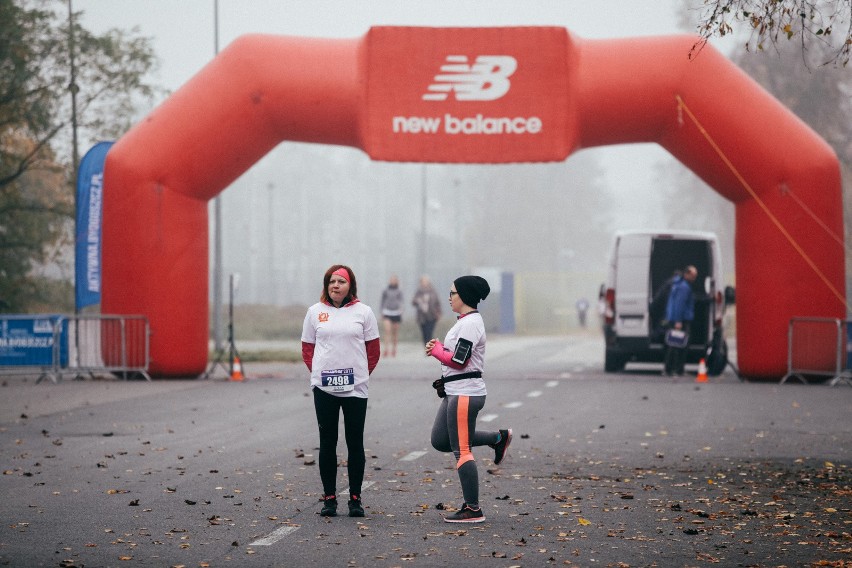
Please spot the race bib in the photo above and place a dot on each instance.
(338, 380)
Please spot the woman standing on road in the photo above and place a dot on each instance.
(340, 346)
(462, 390)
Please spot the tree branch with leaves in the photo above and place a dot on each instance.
(37, 185)
(770, 22)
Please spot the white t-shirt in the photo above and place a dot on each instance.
(472, 328)
(338, 335)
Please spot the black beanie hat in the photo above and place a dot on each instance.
(472, 289)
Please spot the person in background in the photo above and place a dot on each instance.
(462, 392)
(602, 304)
(428, 307)
(340, 346)
(657, 309)
(680, 310)
(391, 309)
(582, 306)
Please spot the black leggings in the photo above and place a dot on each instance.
(354, 415)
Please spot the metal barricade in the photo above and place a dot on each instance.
(56, 345)
(107, 343)
(816, 347)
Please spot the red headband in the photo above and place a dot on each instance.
(343, 273)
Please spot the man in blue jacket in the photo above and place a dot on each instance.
(680, 310)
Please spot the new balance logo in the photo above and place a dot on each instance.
(486, 80)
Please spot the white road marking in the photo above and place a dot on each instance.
(412, 456)
(364, 485)
(283, 531)
(274, 536)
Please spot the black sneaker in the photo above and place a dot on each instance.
(329, 506)
(502, 446)
(356, 508)
(466, 515)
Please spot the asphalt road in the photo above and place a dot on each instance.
(631, 469)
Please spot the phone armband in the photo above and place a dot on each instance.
(464, 348)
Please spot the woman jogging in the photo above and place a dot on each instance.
(340, 346)
(462, 392)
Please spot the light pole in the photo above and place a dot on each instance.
(74, 89)
(421, 256)
(75, 153)
(272, 284)
(217, 224)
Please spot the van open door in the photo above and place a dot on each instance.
(668, 257)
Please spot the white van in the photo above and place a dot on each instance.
(640, 269)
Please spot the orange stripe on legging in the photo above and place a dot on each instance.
(465, 455)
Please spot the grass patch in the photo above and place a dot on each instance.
(258, 322)
(265, 356)
(265, 323)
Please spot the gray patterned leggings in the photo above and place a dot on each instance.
(455, 431)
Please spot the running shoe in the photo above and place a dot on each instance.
(502, 446)
(329, 506)
(466, 515)
(356, 508)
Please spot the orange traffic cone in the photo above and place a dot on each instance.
(702, 372)
(237, 370)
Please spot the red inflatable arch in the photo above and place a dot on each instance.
(475, 95)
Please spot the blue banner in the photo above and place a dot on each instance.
(88, 238)
(33, 341)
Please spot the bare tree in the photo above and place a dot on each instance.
(827, 22)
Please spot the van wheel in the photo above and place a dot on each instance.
(613, 363)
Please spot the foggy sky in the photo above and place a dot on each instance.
(304, 207)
